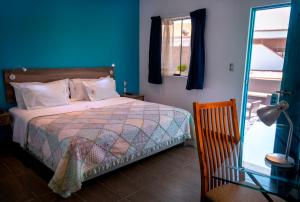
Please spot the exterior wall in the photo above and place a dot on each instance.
(226, 42)
(264, 86)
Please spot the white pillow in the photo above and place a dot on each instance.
(19, 86)
(77, 89)
(18, 92)
(101, 89)
(37, 96)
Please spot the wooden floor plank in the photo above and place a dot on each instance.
(171, 175)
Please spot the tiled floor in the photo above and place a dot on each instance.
(172, 175)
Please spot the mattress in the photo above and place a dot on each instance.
(87, 139)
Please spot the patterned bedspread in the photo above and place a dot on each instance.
(83, 144)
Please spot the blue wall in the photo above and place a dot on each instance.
(71, 33)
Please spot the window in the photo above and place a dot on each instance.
(176, 46)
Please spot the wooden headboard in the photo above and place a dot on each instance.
(48, 75)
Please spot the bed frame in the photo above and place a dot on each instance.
(48, 75)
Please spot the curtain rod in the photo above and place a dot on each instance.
(178, 16)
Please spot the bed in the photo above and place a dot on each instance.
(85, 139)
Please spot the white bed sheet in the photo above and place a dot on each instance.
(22, 116)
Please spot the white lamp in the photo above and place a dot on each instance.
(268, 115)
(111, 72)
(12, 76)
(125, 87)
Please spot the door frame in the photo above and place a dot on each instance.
(248, 68)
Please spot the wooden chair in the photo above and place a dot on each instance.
(217, 136)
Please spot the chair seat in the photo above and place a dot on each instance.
(236, 193)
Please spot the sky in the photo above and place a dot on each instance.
(277, 18)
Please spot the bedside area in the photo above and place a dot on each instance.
(5, 127)
(134, 96)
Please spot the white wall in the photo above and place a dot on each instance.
(226, 42)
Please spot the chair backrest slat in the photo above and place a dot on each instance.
(222, 142)
(217, 139)
(216, 131)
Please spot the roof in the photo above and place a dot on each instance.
(270, 34)
(266, 75)
(264, 59)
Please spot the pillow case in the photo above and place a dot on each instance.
(77, 89)
(19, 86)
(38, 96)
(18, 92)
(101, 89)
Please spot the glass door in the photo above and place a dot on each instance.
(290, 89)
(266, 53)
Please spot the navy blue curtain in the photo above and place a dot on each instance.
(155, 51)
(197, 62)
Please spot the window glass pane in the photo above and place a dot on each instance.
(167, 47)
(186, 43)
(176, 46)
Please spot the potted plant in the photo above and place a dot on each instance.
(180, 69)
